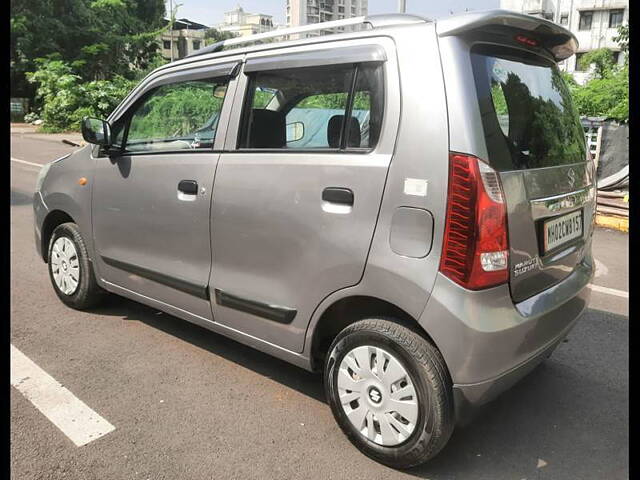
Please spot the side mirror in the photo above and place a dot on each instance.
(96, 131)
(295, 131)
(220, 91)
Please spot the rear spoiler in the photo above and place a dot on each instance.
(558, 40)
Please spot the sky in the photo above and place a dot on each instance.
(211, 12)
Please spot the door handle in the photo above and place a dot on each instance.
(340, 195)
(188, 187)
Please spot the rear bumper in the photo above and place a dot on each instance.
(469, 397)
(489, 343)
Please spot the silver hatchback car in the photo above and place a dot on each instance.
(405, 205)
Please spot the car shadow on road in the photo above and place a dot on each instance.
(305, 382)
(538, 429)
(566, 419)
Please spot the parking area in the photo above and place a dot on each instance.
(186, 403)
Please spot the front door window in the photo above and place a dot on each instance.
(177, 116)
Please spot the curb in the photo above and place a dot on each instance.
(615, 223)
(54, 137)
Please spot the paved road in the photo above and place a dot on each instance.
(189, 404)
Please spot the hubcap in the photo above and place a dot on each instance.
(377, 395)
(65, 266)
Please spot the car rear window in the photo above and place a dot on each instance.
(528, 116)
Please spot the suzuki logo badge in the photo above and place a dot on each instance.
(374, 395)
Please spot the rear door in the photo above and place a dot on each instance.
(534, 139)
(509, 106)
(296, 198)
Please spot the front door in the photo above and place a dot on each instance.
(295, 204)
(151, 203)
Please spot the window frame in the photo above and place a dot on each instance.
(142, 99)
(224, 71)
(616, 56)
(584, 14)
(376, 56)
(617, 11)
(247, 102)
(577, 67)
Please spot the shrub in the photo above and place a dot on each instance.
(66, 100)
(605, 97)
(31, 117)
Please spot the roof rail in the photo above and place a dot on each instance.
(367, 22)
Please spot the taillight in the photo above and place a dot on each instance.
(475, 252)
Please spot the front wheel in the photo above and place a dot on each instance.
(390, 392)
(71, 270)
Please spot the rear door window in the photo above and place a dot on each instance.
(308, 121)
(528, 116)
(307, 108)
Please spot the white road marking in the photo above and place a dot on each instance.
(601, 268)
(67, 412)
(609, 291)
(27, 163)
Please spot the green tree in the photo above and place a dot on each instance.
(607, 97)
(623, 37)
(125, 37)
(602, 59)
(623, 40)
(43, 27)
(213, 35)
(97, 38)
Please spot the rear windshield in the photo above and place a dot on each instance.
(527, 113)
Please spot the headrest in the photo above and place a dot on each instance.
(268, 129)
(334, 127)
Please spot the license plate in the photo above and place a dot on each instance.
(562, 230)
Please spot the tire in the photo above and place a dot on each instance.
(430, 403)
(68, 253)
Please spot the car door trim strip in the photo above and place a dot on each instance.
(277, 313)
(186, 286)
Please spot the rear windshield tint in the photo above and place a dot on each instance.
(528, 116)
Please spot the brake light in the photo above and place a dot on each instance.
(530, 42)
(475, 251)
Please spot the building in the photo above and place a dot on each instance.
(303, 12)
(186, 38)
(593, 22)
(241, 23)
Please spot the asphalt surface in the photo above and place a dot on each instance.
(190, 404)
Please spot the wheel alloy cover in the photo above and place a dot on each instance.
(377, 395)
(65, 265)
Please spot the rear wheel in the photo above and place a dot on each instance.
(390, 392)
(71, 270)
